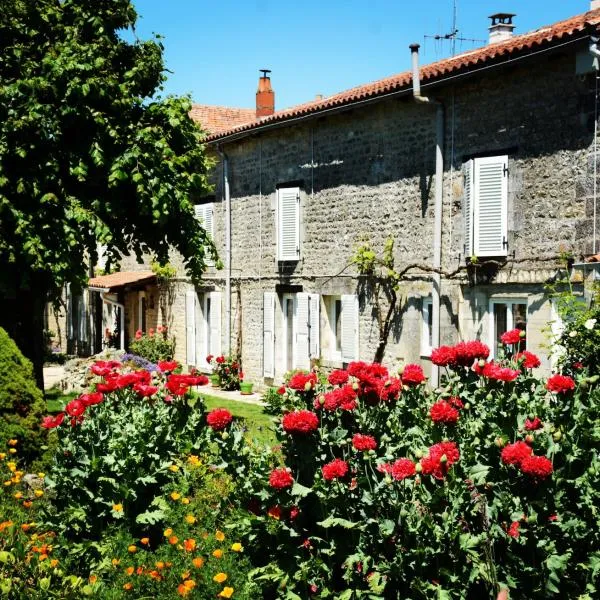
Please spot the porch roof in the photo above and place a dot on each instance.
(105, 283)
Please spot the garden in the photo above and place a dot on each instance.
(371, 485)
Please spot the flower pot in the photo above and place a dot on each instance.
(246, 388)
(215, 381)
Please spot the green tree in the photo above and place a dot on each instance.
(88, 153)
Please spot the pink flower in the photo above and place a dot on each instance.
(151, 331)
(138, 334)
(335, 469)
(560, 384)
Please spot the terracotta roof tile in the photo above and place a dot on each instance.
(115, 280)
(215, 119)
(542, 37)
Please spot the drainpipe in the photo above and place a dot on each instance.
(595, 52)
(437, 224)
(227, 197)
(121, 308)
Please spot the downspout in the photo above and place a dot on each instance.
(595, 52)
(437, 224)
(227, 197)
(121, 308)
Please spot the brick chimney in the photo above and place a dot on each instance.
(501, 28)
(265, 96)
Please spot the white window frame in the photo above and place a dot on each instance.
(507, 302)
(473, 190)
(426, 333)
(284, 336)
(206, 214)
(330, 332)
(288, 209)
(141, 297)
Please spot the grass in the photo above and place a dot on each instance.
(56, 399)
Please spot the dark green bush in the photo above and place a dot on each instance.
(22, 404)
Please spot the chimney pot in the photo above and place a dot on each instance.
(265, 96)
(502, 27)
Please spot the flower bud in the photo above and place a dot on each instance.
(529, 439)
(307, 386)
(321, 399)
(467, 405)
(557, 436)
(355, 386)
(499, 441)
(418, 468)
(481, 363)
(443, 459)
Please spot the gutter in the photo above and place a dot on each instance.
(438, 206)
(121, 307)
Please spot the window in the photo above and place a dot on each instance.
(142, 311)
(486, 206)
(426, 328)
(205, 213)
(339, 339)
(506, 314)
(203, 327)
(288, 224)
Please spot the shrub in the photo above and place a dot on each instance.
(228, 369)
(21, 402)
(153, 346)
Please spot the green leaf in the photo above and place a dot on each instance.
(336, 522)
(300, 491)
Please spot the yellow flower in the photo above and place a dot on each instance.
(175, 496)
(168, 532)
(159, 565)
(185, 501)
(115, 561)
(198, 562)
(220, 577)
(129, 571)
(185, 575)
(194, 460)
(12, 466)
(18, 495)
(190, 584)
(127, 586)
(226, 592)
(191, 519)
(173, 540)
(2, 455)
(54, 562)
(219, 536)
(12, 442)
(118, 507)
(9, 482)
(218, 553)
(38, 493)
(145, 541)
(41, 475)
(132, 549)
(189, 545)
(174, 468)
(237, 547)
(93, 579)
(12, 450)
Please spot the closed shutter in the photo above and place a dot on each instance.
(190, 327)
(349, 328)
(288, 224)
(314, 317)
(468, 207)
(82, 315)
(490, 206)
(200, 333)
(269, 334)
(71, 308)
(302, 330)
(205, 214)
(215, 323)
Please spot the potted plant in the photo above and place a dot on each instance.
(215, 380)
(246, 388)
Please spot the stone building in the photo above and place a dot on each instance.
(486, 176)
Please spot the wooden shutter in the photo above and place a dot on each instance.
(190, 327)
(200, 333)
(349, 328)
(468, 207)
(288, 224)
(215, 323)
(490, 206)
(301, 349)
(82, 317)
(205, 214)
(269, 334)
(314, 321)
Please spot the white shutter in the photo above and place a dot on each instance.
(190, 327)
(71, 307)
(288, 224)
(269, 334)
(302, 328)
(200, 333)
(490, 206)
(215, 323)
(205, 214)
(468, 207)
(82, 314)
(349, 328)
(314, 318)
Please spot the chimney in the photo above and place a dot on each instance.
(595, 4)
(501, 28)
(265, 96)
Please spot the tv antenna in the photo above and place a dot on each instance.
(453, 36)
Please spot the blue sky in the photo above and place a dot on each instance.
(215, 48)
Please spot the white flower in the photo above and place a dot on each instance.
(572, 334)
(589, 324)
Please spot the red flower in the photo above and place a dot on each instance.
(144, 390)
(335, 469)
(389, 389)
(303, 382)
(560, 384)
(530, 360)
(219, 418)
(342, 397)
(281, 390)
(138, 334)
(444, 356)
(539, 467)
(93, 398)
(513, 530)
(443, 412)
(220, 359)
(403, 468)
(362, 443)
(274, 512)
(176, 386)
(301, 421)
(412, 375)
(294, 512)
(456, 402)
(439, 459)
(514, 454)
(75, 408)
(280, 479)
(209, 358)
(50, 422)
(533, 425)
(495, 371)
(151, 331)
(514, 336)
(468, 352)
(338, 377)
(167, 365)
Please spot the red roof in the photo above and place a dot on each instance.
(520, 44)
(216, 119)
(115, 280)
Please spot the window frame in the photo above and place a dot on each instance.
(280, 214)
(426, 329)
(506, 301)
(333, 354)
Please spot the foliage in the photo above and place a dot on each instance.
(273, 398)
(117, 448)
(153, 346)
(427, 502)
(21, 402)
(228, 369)
(164, 273)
